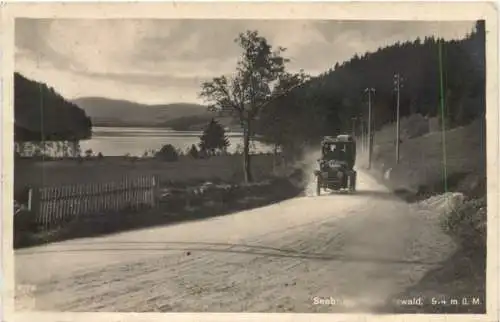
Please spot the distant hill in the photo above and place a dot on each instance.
(41, 113)
(178, 116)
(109, 111)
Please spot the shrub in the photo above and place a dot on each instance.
(193, 152)
(168, 153)
(468, 223)
(415, 125)
(89, 153)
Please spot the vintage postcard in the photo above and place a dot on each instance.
(225, 161)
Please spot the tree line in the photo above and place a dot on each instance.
(213, 141)
(42, 114)
(444, 79)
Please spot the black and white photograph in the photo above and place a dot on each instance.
(218, 165)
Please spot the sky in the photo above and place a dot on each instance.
(155, 61)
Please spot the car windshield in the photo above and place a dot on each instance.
(334, 152)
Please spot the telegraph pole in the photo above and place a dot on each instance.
(370, 90)
(397, 83)
(354, 119)
(363, 147)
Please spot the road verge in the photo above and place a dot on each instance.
(178, 203)
(459, 182)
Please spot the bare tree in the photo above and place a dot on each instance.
(250, 87)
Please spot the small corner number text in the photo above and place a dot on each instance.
(473, 300)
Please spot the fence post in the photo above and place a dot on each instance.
(156, 191)
(30, 199)
(34, 203)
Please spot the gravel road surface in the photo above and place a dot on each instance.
(332, 253)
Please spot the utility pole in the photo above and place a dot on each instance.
(363, 146)
(370, 90)
(397, 84)
(354, 118)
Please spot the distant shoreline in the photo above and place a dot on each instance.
(156, 126)
(136, 141)
(101, 131)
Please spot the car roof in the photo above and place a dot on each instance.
(343, 138)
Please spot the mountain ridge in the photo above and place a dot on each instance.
(123, 113)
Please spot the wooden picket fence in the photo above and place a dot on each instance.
(56, 205)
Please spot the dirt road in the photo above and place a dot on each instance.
(360, 249)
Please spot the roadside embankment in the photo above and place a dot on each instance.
(443, 174)
(433, 163)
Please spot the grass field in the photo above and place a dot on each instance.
(186, 171)
(459, 155)
(220, 168)
(217, 200)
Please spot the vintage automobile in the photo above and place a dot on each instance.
(336, 165)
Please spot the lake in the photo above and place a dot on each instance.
(119, 141)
